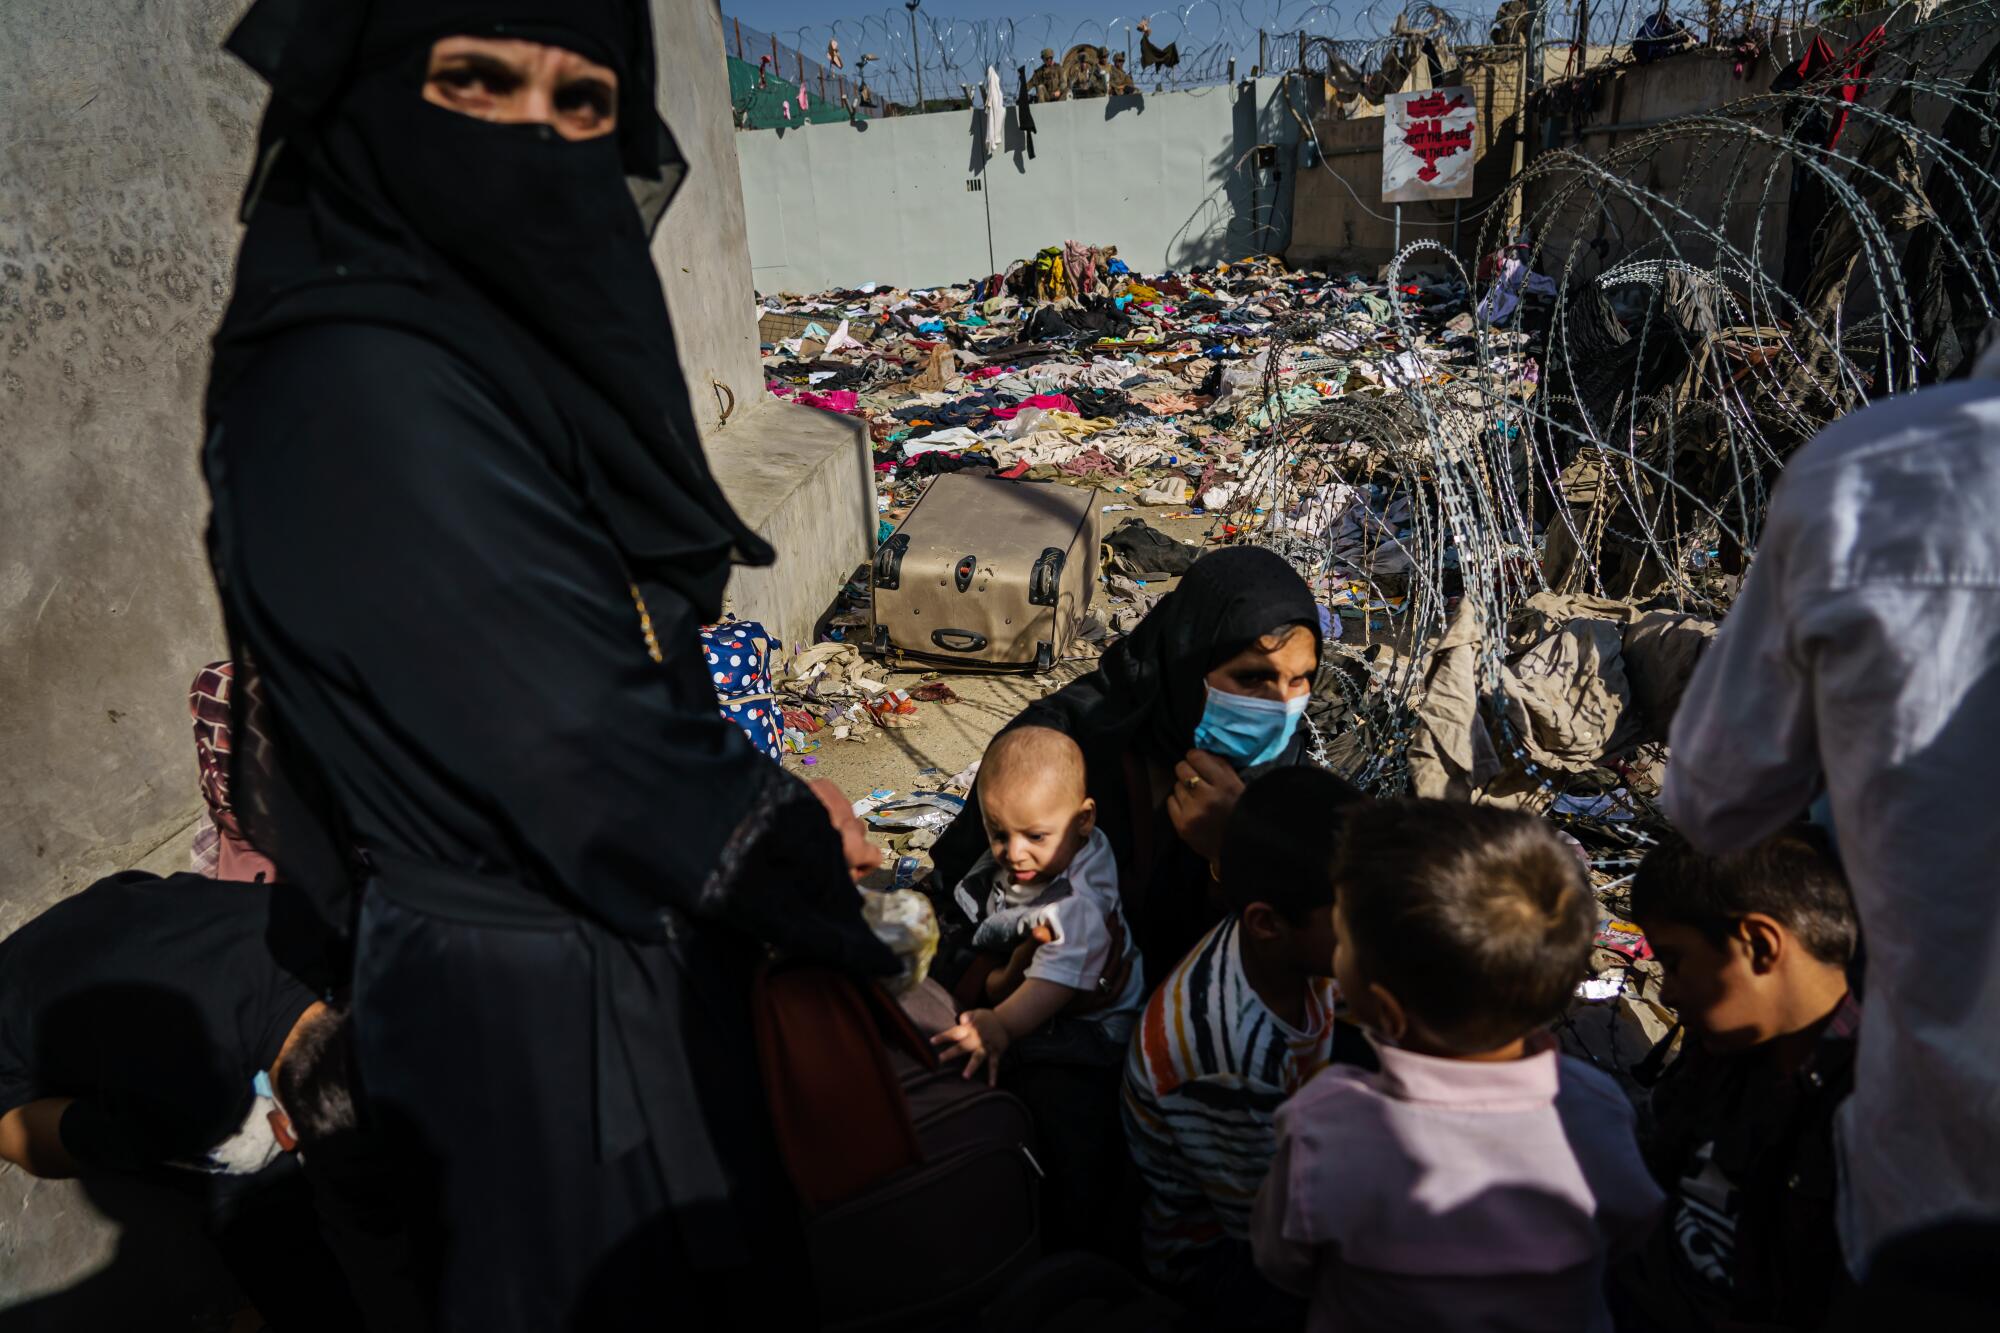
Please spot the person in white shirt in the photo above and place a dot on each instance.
(1862, 663)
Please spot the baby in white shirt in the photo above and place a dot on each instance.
(1046, 889)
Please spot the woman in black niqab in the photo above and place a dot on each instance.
(464, 537)
(1135, 719)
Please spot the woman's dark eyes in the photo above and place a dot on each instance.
(587, 95)
(473, 76)
(593, 97)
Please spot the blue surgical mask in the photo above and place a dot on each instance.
(1246, 731)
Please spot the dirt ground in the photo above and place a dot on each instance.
(948, 737)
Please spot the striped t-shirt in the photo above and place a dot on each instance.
(1208, 1068)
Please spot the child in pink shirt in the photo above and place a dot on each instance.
(1480, 1181)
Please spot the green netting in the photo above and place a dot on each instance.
(763, 108)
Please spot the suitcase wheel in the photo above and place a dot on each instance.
(882, 639)
(1046, 581)
(1044, 657)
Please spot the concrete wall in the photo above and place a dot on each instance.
(1169, 178)
(699, 248)
(800, 476)
(1725, 183)
(125, 137)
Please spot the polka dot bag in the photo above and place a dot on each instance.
(738, 658)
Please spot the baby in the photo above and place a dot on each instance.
(1046, 896)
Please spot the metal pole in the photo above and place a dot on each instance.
(775, 66)
(916, 58)
(1455, 204)
(739, 37)
(1399, 229)
(1263, 51)
(1520, 161)
(822, 83)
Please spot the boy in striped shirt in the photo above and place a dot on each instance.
(1240, 1025)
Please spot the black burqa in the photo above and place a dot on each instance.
(450, 452)
(1135, 717)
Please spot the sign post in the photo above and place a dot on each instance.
(1427, 146)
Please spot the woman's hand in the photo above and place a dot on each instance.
(980, 1037)
(1206, 789)
(864, 858)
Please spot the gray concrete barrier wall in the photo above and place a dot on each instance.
(127, 138)
(1171, 179)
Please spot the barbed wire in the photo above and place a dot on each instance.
(1726, 284)
(1218, 41)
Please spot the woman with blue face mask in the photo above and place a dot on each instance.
(1208, 691)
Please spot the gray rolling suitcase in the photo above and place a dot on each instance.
(988, 573)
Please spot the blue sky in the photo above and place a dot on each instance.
(1228, 27)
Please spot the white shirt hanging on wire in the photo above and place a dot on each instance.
(996, 113)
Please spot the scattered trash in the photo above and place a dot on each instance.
(1597, 990)
(906, 922)
(922, 810)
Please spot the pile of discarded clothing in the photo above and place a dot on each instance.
(1167, 391)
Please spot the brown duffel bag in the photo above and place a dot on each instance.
(919, 1187)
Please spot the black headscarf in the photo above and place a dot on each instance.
(525, 254)
(1144, 701)
(1151, 687)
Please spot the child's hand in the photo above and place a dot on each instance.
(981, 1038)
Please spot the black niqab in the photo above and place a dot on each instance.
(524, 254)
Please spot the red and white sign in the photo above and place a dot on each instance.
(1427, 145)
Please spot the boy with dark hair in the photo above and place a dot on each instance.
(1480, 1178)
(1755, 946)
(1238, 1026)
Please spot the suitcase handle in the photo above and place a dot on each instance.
(1046, 579)
(971, 642)
(889, 562)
